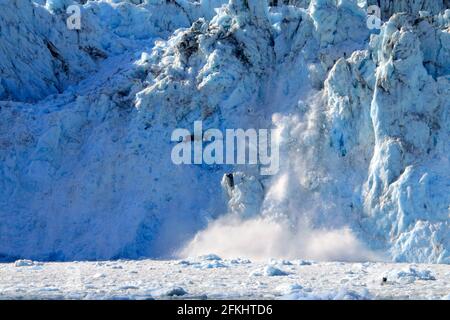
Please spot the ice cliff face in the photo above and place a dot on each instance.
(85, 169)
(390, 7)
(41, 56)
(402, 81)
(408, 174)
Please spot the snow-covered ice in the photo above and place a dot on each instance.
(85, 170)
(150, 279)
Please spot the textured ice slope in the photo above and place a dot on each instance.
(364, 119)
(41, 56)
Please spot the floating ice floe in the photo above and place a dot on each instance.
(240, 261)
(210, 257)
(409, 275)
(26, 263)
(281, 262)
(304, 262)
(209, 261)
(269, 271)
(288, 288)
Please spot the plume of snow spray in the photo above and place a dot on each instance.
(261, 239)
(294, 220)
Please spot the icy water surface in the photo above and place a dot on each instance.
(210, 277)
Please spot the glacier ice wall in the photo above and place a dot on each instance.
(86, 119)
